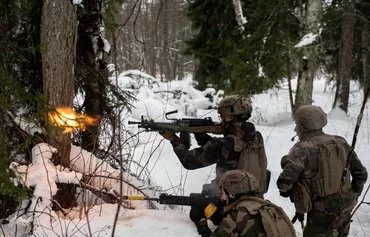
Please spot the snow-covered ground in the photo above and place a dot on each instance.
(272, 116)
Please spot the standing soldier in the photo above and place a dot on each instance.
(241, 148)
(247, 215)
(322, 175)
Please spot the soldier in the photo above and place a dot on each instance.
(241, 148)
(322, 175)
(246, 213)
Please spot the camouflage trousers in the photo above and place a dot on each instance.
(320, 224)
(330, 216)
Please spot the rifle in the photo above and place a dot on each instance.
(194, 199)
(191, 125)
(354, 139)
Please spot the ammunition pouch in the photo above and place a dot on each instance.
(301, 197)
(336, 203)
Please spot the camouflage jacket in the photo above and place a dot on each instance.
(253, 216)
(301, 164)
(239, 222)
(217, 150)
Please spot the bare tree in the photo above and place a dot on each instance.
(151, 37)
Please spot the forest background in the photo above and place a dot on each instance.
(54, 51)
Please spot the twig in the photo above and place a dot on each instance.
(33, 215)
(59, 207)
(2, 229)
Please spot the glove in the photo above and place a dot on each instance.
(217, 217)
(286, 194)
(168, 135)
(202, 138)
(196, 213)
(249, 130)
(283, 161)
(298, 216)
(185, 138)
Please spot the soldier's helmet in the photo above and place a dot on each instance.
(239, 182)
(310, 117)
(236, 105)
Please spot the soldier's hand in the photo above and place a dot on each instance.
(286, 194)
(283, 161)
(196, 213)
(185, 138)
(298, 216)
(217, 217)
(249, 130)
(202, 138)
(168, 135)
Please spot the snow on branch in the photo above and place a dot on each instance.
(43, 176)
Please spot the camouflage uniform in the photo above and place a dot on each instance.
(240, 139)
(325, 214)
(250, 215)
(239, 222)
(219, 151)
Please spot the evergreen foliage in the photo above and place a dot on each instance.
(330, 35)
(331, 38)
(216, 38)
(245, 62)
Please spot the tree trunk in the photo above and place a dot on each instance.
(58, 44)
(165, 46)
(91, 69)
(308, 63)
(239, 17)
(345, 54)
(366, 55)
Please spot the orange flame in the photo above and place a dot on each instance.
(69, 120)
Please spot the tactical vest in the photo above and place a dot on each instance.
(275, 221)
(328, 180)
(252, 159)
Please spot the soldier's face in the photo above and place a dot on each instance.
(225, 119)
(223, 195)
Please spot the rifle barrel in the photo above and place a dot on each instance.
(133, 122)
(140, 198)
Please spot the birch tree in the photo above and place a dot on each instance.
(308, 61)
(239, 16)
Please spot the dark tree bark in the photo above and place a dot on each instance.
(345, 54)
(91, 69)
(58, 45)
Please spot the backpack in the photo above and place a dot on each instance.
(331, 165)
(275, 221)
(253, 159)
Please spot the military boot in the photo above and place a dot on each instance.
(202, 227)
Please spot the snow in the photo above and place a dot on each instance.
(307, 40)
(271, 115)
